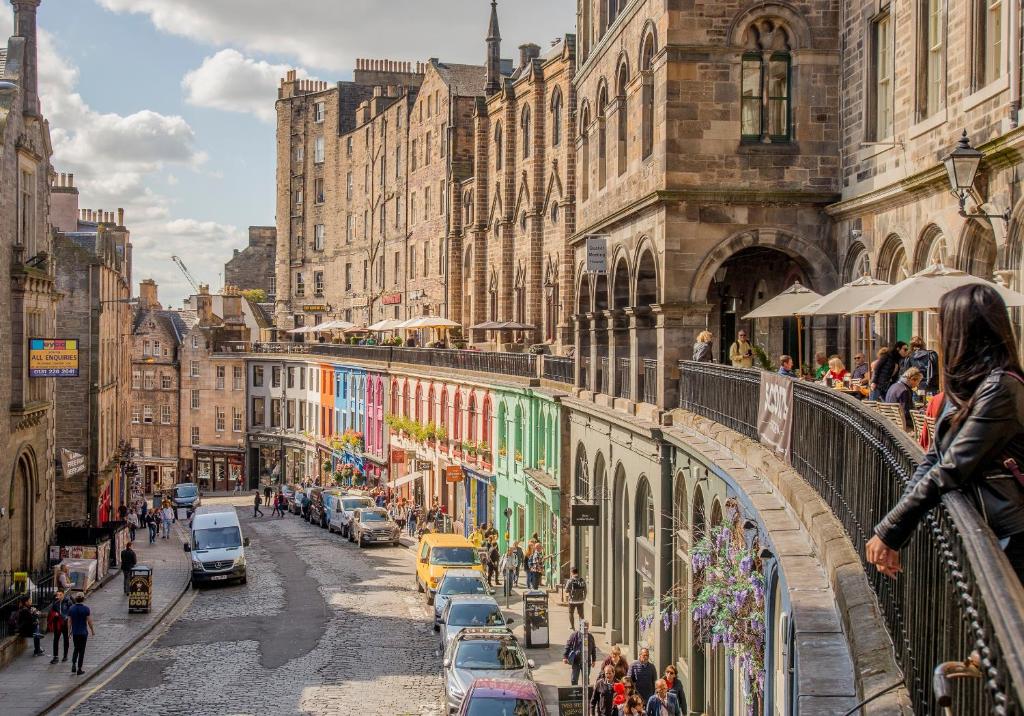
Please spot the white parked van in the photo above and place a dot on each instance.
(216, 545)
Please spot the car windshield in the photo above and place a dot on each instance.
(356, 503)
(491, 654)
(373, 516)
(502, 706)
(217, 538)
(185, 491)
(483, 615)
(453, 555)
(462, 585)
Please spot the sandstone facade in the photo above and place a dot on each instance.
(254, 266)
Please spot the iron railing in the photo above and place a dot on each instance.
(603, 375)
(649, 381)
(957, 593)
(623, 377)
(41, 591)
(557, 369)
(585, 373)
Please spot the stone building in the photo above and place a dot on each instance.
(211, 448)
(379, 212)
(157, 336)
(92, 253)
(28, 302)
(254, 266)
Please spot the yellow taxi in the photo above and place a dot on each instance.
(436, 553)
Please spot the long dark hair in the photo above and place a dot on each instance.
(977, 338)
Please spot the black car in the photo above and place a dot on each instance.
(317, 515)
(187, 495)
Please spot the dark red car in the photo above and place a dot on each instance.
(503, 697)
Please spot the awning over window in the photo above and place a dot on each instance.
(405, 480)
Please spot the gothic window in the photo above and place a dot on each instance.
(602, 137)
(525, 125)
(647, 97)
(766, 90)
(622, 117)
(497, 146)
(585, 153)
(556, 118)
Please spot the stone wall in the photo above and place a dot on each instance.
(254, 266)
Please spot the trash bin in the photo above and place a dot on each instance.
(535, 619)
(140, 589)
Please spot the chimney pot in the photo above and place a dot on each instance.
(71, 179)
(120, 216)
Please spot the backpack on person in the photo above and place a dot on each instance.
(576, 589)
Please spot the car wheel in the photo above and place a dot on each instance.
(437, 627)
(243, 580)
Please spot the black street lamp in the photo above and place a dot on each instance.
(962, 167)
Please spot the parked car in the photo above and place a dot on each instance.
(315, 514)
(436, 553)
(457, 581)
(341, 517)
(465, 611)
(481, 654)
(187, 495)
(216, 546)
(511, 697)
(297, 498)
(373, 525)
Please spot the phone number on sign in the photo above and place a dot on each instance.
(53, 373)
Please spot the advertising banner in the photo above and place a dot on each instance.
(72, 463)
(775, 414)
(53, 358)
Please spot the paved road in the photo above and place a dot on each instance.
(321, 627)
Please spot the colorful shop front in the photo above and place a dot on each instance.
(528, 489)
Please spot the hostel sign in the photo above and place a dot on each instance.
(775, 414)
(53, 358)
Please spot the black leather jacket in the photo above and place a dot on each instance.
(969, 459)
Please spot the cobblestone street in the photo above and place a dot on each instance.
(321, 625)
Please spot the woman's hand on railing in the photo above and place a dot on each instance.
(885, 559)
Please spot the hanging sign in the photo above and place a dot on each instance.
(453, 473)
(585, 515)
(72, 463)
(775, 414)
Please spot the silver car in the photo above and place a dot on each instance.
(458, 581)
(372, 525)
(467, 612)
(481, 654)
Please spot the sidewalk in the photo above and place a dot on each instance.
(30, 685)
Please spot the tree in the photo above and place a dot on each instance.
(256, 295)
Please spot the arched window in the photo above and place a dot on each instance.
(602, 137)
(646, 520)
(457, 415)
(581, 488)
(471, 418)
(524, 123)
(485, 428)
(406, 411)
(622, 116)
(647, 98)
(765, 84)
(518, 427)
(556, 117)
(419, 402)
(502, 428)
(444, 406)
(430, 404)
(585, 153)
(394, 397)
(498, 146)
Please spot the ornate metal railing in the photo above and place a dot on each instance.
(585, 372)
(649, 381)
(557, 369)
(957, 594)
(603, 375)
(622, 378)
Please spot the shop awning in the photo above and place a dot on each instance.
(405, 480)
(543, 486)
(479, 476)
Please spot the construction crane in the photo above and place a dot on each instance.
(184, 270)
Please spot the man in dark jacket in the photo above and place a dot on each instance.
(887, 370)
(573, 654)
(28, 624)
(128, 561)
(602, 698)
(902, 393)
(643, 674)
(925, 361)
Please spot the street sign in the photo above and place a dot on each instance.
(453, 473)
(597, 253)
(585, 515)
(316, 308)
(570, 701)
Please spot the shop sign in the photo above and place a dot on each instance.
(398, 457)
(597, 253)
(316, 308)
(53, 358)
(140, 590)
(72, 463)
(570, 701)
(453, 473)
(645, 562)
(585, 515)
(775, 414)
(264, 440)
(390, 299)
(424, 465)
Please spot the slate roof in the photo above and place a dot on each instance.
(178, 323)
(465, 80)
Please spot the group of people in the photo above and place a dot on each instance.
(269, 497)
(510, 564)
(66, 617)
(624, 689)
(141, 515)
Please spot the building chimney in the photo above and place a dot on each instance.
(528, 53)
(148, 295)
(25, 26)
(120, 216)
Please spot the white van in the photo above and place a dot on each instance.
(340, 518)
(216, 545)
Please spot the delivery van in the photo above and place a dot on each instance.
(216, 546)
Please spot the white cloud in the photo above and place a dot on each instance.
(332, 34)
(230, 81)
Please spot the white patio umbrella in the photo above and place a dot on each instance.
(431, 322)
(337, 325)
(923, 291)
(845, 298)
(786, 305)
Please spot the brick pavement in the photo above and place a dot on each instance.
(30, 684)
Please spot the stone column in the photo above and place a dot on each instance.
(635, 361)
(577, 333)
(677, 326)
(592, 319)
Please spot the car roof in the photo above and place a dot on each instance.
(472, 599)
(486, 633)
(518, 688)
(446, 539)
(464, 573)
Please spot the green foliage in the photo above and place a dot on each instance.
(763, 361)
(256, 295)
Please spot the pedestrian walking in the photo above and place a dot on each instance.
(28, 625)
(703, 350)
(493, 559)
(57, 622)
(618, 662)
(256, 511)
(133, 524)
(662, 701)
(166, 517)
(573, 654)
(508, 566)
(644, 675)
(81, 626)
(282, 504)
(634, 706)
(128, 560)
(520, 559)
(413, 516)
(277, 506)
(267, 491)
(576, 595)
(675, 686)
(153, 523)
(978, 446)
(602, 698)
(535, 567)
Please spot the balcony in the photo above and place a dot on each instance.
(957, 594)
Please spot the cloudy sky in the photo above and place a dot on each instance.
(165, 107)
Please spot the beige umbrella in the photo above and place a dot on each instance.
(388, 324)
(923, 291)
(846, 298)
(431, 322)
(786, 305)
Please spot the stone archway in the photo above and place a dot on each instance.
(620, 554)
(21, 513)
(599, 492)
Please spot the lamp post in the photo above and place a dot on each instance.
(962, 167)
